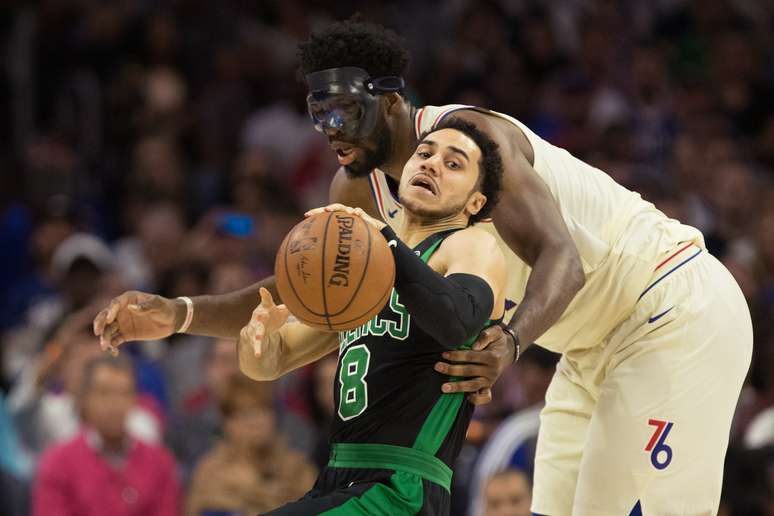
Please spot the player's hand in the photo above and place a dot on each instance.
(137, 316)
(492, 353)
(378, 224)
(267, 318)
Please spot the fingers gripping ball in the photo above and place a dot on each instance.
(334, 271)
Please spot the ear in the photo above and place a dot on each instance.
(392, 103)
(475, 203)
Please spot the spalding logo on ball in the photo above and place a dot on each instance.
(334, 271)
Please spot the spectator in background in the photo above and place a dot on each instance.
(28, 242)
(79, 268)
(44, 401)
(103, 470)
(184, 354)
(14, 468)
(251, 469)
(507, 493)
(134, 120)
(512, 446)
(323, 406)
(145, 259)
(197, 424)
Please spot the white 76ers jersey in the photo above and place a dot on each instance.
(619, 236)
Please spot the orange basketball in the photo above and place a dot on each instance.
(334, 271)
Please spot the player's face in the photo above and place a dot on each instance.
(441, 178)
(358, 155)
(507, 495)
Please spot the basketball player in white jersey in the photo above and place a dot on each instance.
(655, 333)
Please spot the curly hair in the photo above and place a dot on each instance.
(374, 48)
(490, 165)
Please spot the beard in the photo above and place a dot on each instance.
(373, 158)
(435, 213)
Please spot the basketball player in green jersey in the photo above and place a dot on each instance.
(395, 436)
(655, 334)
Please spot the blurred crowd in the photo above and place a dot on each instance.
(164, 146)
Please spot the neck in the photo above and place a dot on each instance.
(415, 229)
(403, 144)
(115, 445)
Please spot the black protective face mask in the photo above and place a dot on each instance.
(346, 100)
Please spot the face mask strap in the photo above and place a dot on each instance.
(350, 80)
(353, 82)
(386, 84)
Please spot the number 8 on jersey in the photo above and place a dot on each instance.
(353, 394)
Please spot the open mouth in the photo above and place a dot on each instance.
(344, 151)
(425, 182)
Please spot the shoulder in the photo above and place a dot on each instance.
(159, 454)
(428, 116)
(211, 461)
(352, 191)
(501, 128)
(476, 250)
(342, 185)
(471, 236)
(58, 458)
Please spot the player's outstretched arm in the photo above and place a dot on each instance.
(269, 346)
(142, 316)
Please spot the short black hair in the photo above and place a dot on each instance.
(374, 48)
(490, 165)
(119, 363)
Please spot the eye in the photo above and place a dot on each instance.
(349, 108)
(423, 154)
(452, 165)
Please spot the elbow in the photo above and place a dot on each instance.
(576, 278)
(567, 264)
(451, 335)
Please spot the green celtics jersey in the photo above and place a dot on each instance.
(387, 391)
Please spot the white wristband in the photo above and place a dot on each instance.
(189, 310)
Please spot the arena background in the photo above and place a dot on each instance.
(165, 146)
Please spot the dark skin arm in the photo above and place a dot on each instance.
(137, 315)
(529, 220)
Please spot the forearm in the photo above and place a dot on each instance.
(292, 346)
(462, 301)
(226, 314)
(267, 366)
(556, 277)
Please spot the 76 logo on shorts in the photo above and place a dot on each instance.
(660, 453)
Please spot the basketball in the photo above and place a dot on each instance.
(334, 271)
